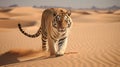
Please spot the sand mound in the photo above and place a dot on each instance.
(8, 23)
(117, 12)
(25, 10)
(28, 13)
(27, 17)
(3, 15)
(5, 9)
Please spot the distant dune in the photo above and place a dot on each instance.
(94, 40)
(5, 9)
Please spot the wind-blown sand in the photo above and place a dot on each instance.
(94, 40)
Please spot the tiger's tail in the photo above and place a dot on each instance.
(29, 35)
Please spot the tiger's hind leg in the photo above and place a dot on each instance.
(44, 43)
(62, 44)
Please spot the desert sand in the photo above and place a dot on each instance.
(94, 40)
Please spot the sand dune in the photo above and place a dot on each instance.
(27, 17)
(94, 41)
(117, 12)
(5, 9)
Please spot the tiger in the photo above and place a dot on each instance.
(55, 25)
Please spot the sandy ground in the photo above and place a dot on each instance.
(94, 40)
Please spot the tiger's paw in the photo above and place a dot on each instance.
(58, 55)
(44, 49)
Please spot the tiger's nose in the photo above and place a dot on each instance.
(62, 29)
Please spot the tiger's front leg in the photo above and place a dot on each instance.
(62, 44)
(52, 46)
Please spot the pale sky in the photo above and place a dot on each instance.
(63, 3)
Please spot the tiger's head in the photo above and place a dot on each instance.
(62, 20)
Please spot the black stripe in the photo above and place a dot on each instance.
(61, 41)
(64, 34)
(44, 46)
(44, 43)
(43, 40)
(44, 36)
(53, 38)
(63, 38)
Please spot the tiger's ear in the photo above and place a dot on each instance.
(69, 12)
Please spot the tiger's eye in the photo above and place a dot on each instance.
(54, 14)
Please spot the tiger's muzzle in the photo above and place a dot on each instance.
(61, 29)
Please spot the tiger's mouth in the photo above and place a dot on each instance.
(61, 30)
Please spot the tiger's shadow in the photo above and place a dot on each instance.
(8, 58)
(11, 57)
